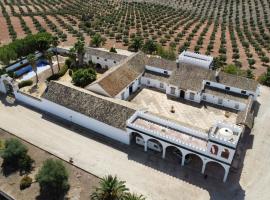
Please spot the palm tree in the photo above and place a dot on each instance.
(32, 61)
(48, 56)
(55, 43)
(110, 189)
(130, 196)
(97, 40)
(79, 48)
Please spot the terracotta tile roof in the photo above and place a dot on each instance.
(191, 77)
(104, 54)
(107, 110)
(161, 63)
(120, 76)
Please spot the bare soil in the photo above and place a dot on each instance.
(82, 184)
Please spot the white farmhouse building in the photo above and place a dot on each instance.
(196, 59)
(102, 106)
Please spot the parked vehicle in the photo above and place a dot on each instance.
(151, 145)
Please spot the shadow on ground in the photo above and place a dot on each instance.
(170, 166)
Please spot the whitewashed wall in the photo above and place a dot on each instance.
(220, 149)
(232, 89)
(197, 96)
(135, 86)
(153, 83)
(177, 91)
(2, 86)
(75, 117)
(97, 88)
(158, 70)
(110, 63)
(225, 102)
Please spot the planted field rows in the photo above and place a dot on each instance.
(236, 32)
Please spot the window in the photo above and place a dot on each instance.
(97, 57)
(191, 96)
(227, 88)
(148, 82)
(172, 90)
(243, 92)
(207, 83)
(105, 59)
(204, 97)
(220, 101)
(165, 72)
(161, 85)
(214, 149)
(123, 95)
(225, 153)
(236, 106)
(140, 81)
(114, 62)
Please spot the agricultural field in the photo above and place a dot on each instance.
(235, 31)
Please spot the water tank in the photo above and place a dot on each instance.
(225, 133)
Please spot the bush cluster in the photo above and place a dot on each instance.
(25, 182)
(82, 77)
(25, 83)
(61, 73)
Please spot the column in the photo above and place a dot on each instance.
(145, 145)
(164, 153)
(203, 167)
(183, 160)
(226, 175)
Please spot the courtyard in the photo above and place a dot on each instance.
(201, 116)
(147, 173)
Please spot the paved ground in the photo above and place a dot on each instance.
(199, 116)
(147, 173)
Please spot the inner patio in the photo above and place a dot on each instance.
(198, 115)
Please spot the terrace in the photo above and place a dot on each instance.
(170, 133)
(201, 116)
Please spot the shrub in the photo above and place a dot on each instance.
(13, 152)
(61, 73)
(83, 77)
(113, 50)
(53, 177)
(25, 163)
(25, 182)
(25, 83)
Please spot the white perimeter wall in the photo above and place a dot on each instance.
(75, 117)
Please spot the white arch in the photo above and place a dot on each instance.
(170, 145)
(225, 167)
(192, 153)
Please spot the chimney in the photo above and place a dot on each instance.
(177, 64)
(217, 75)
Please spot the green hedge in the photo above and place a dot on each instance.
(25, 83)
(61, 73)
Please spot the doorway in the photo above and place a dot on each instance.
(182, 93)
(130, 89)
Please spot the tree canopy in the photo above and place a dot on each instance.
(53, 177)
(82, 77)
(22, 47)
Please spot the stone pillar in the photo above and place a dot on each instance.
(203, 167)
(145, 145)
(226, 174)
(183, 160)
(164, 153)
